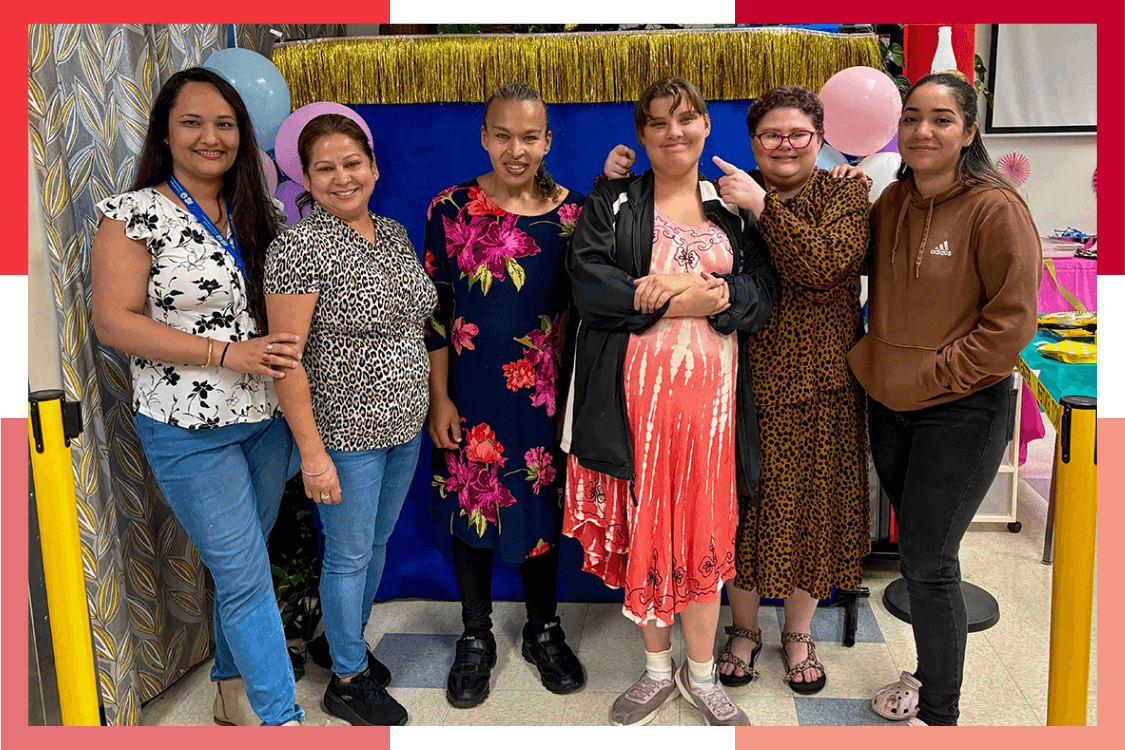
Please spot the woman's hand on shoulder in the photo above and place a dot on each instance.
(849, 172)
(619, 162)
(267, 355)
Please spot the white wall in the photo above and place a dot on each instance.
(1058, 189)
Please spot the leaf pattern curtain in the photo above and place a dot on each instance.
(89, 92)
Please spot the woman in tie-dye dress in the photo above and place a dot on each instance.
(661, 430)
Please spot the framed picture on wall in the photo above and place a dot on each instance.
(1043, 78)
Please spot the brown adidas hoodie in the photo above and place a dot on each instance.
(952, 294)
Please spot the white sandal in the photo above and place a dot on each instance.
(899, 700)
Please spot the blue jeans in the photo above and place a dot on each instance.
(224, 484)
(373, 487)
(936, 465)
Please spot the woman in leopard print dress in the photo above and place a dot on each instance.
(810, 530)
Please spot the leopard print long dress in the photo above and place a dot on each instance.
(812, 526)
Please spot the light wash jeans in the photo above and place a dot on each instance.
(224, 484)
(373, 487)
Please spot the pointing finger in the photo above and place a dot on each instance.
(725, 165)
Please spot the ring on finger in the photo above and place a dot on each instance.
(265, 359)
(269, 347)
(324, 496)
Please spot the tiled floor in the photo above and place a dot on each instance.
(1005, 669)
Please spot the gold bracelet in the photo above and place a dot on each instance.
(210, 349)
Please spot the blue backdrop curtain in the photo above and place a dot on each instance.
(426, 132)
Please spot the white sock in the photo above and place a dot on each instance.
(658, 664)
(702, 672)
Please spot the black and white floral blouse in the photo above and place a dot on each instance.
(194, 286)
(365, 357)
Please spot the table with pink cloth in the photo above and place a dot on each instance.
(1079, 276)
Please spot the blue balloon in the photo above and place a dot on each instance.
(261, 87)
(829, 157)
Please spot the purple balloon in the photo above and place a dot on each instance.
(285, 146)
(287, 193)
(892, 147)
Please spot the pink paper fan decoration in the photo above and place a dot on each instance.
(1015, 167)
(1094, 181)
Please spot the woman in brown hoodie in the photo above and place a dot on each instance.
(954, 271)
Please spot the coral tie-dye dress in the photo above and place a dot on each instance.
(674, 543)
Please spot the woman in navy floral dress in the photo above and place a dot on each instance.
(495, 247)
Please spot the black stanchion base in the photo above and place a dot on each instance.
(981, 606)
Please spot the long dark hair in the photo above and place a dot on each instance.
(544, 183)
(318, 127)
(252, 218)
(974, 166)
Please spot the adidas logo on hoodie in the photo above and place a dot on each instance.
(942, 249)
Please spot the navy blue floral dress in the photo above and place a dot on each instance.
(502, 295)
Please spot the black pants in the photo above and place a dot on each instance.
(937, 465)
(473, 566)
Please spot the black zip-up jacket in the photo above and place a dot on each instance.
(611, 246)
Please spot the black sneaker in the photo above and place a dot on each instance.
(546, 648)
(363, 702)
(467, 684)
(321, 656)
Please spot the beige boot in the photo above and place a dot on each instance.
(232, 708)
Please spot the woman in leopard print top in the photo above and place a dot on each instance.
(350, 285)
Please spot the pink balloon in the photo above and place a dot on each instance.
(285, 146)
(861, 110)
(271, 171)
(892, 147)
(287, 193)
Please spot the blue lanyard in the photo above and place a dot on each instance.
(230, 245)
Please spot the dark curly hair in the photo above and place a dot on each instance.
(796, 97)
(545, 184)
(252, 218)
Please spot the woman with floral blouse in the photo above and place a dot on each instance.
(177, 264)
(494, 248)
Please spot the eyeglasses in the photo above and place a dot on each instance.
(798, 139)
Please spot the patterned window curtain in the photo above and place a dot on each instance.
(89, 92)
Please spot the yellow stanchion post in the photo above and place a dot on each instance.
(62, 558)
(1072, 590)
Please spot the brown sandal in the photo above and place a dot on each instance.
(810, 662)
(727, 657)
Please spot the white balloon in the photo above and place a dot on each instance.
(881, 168)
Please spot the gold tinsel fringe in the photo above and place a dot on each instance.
(571, 68)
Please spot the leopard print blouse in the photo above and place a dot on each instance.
(365, 357)
(818, 240)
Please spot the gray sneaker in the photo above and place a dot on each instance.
(637, 705)
(713, 702)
